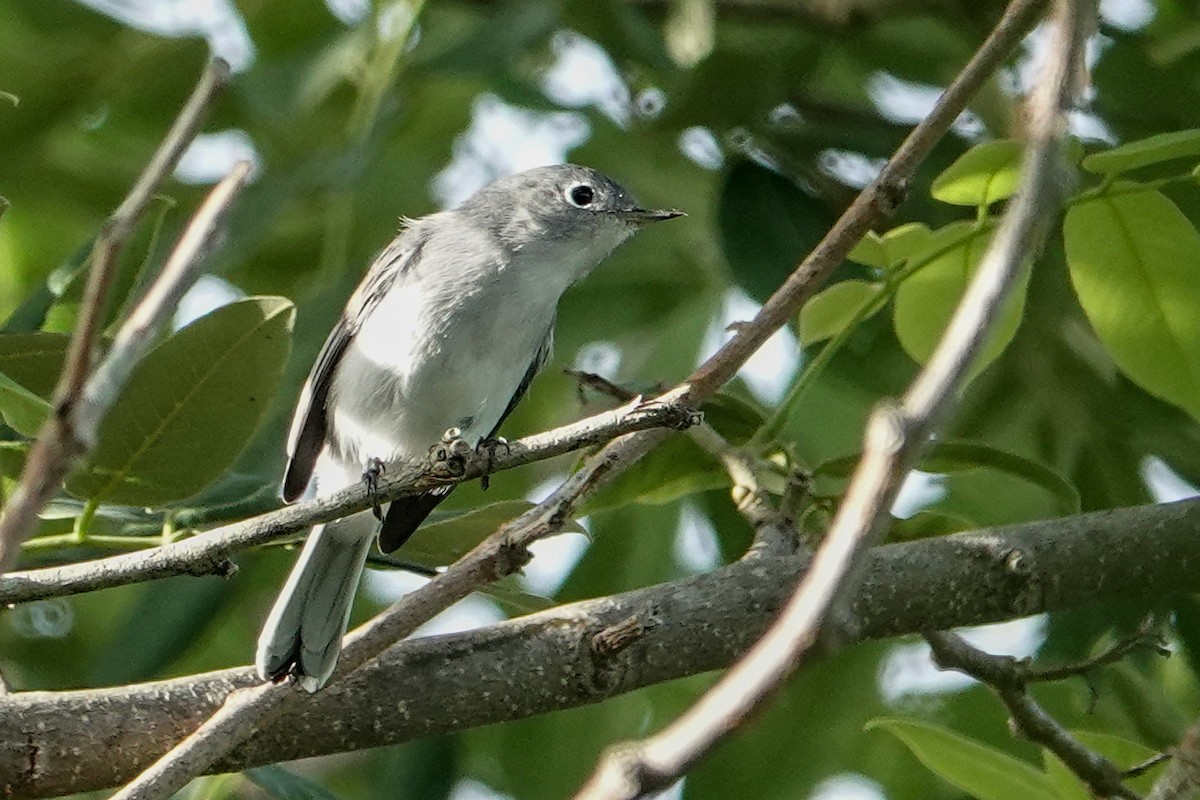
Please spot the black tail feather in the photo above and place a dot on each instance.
(405, 515)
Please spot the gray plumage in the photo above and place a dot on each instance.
(447, 329)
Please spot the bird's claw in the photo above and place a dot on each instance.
(486, 450)
(371, 474)
(449, 456)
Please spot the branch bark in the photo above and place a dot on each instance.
(208, 553)
(554, 659)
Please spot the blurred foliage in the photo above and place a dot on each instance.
(761, 121)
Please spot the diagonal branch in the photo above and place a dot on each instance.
(895, 437)
(62, 439)
(1009, 681)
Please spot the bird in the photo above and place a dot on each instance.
(443, 336)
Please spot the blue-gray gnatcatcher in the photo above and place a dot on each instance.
(447, 329)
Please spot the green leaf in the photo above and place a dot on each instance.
(955, 456)
(1135, 264)
(767, 223)
(164, 620)
(285, 785)
(23, 410)
(978, 769)
(981, 176)
(1143, 152)
(190, 406)
(950, 457)
(733, 417)
(33, 360)
(30, 315)
(675, 469)
(928, 525)
(926, 299)
(1122, 752)
(832, 310)
(12, 458)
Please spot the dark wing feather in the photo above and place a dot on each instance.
(310, 426)
(405, 515)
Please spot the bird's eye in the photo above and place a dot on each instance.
(581, 195)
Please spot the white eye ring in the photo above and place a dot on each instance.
(580, 195)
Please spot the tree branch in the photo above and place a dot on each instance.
(62, 439)
(1005, 676)
(208, 553)
(894, 439)
(148, 317)
(553, 659)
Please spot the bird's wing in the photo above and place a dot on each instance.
(309, 424)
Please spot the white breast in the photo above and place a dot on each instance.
(439, 351)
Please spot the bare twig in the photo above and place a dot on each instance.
(1145, 636)
(894, 439)
(499, 555)
(1007, 678)
(872, 206)
(59, 442)
(743, 467)
(148, 317)
(1138, 770)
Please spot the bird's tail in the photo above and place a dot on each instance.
(303, 633)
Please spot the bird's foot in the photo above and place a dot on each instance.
(371, 475)
(448, 458)
(486, 450)
(678, 417)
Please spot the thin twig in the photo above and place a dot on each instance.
(894, 439)
(1007, 678)
(873, 205)
(201, 750)
(59, 442)
(1138, 770)
(208, 553)
(742, 466)
(148, 317)
(1146, 635)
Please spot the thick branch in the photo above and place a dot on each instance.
(445, 683)
(61, 440)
